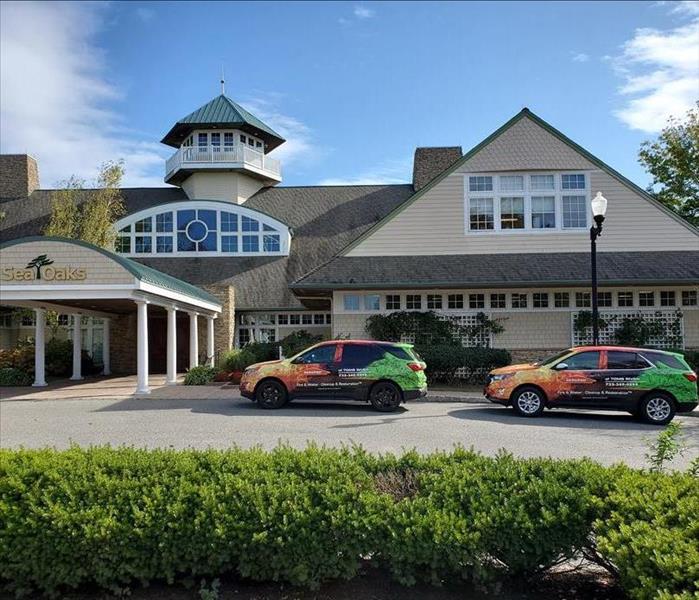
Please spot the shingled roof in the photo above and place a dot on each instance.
(502, 270)
(324, 220)
(222, 112)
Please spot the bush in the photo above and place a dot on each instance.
(200, 375)
(263, 351)
(112, 517)
(473, 364)
(650, 531)
(59, 357)
(237, 360)
(21, 357)
(11, 376)
(299, 340)
(692, 358)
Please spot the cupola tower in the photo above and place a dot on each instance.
(222, 153)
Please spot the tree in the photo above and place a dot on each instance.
(90, 218)
(673, 161)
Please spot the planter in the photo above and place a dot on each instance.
(235, 376)
(222, 376)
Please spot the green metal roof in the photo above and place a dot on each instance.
(139, 271)
(222, 112)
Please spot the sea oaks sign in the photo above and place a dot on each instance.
(41, 268)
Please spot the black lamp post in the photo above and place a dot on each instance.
(599, 208)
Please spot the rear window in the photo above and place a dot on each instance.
(625, 360)
(657, 358)
(398, 352)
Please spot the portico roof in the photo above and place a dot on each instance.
(144, 279)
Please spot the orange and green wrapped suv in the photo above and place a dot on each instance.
(382, 373)
(651, 384)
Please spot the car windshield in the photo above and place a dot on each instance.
(553, 358)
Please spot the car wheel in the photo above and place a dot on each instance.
(385, 396)
(657, 408)
(528, 402)
(271, 394)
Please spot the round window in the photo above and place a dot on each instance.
(197, 231)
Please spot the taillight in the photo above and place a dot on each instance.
(691, 376)
(416, 367)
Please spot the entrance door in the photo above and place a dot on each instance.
(580, 383)
(157, 343)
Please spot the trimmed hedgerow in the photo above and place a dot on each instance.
(112, 517)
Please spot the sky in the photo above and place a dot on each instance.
(353, 87)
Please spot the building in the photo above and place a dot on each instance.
(500, 230)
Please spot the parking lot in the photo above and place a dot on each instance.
(219, 418)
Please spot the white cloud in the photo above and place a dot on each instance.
(299, 145)
(661, 72)
(580, 57)
(362, 12)
(56, 101)
(391, 171)
(145, 14)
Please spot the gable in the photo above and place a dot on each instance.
(433, 220)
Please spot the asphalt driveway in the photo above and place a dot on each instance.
(224, 422)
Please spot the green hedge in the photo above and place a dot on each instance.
(114, 517)
(11, 376)
(447, 363)
(200, 375)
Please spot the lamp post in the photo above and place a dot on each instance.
(599, 208)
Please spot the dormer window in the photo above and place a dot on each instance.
(202, 227)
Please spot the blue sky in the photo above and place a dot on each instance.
(354, 87)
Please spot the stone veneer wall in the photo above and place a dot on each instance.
(224, 324)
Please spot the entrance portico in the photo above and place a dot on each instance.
(74, 277)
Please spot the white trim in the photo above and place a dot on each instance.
(527, 193)
(183, 298)
(216, 205)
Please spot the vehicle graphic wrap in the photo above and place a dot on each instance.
(339, 377)
(614, 387)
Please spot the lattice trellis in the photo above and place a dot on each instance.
(613, 320)
(482, 338)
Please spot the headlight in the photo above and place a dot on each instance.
(500, 377)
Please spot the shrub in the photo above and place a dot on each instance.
(12, 376)
(298, 341)
(237, 360)
(263, 351)
(59, 357)
(650, 531)
(21, 357)
(112, 517)
(473, 364)
(692, 358)
(200, 375)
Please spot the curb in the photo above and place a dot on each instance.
(445, 398)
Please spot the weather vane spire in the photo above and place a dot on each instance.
(223, 82)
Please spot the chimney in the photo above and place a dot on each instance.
(19, 175)
(430, 162)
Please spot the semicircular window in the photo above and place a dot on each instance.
(202, 228)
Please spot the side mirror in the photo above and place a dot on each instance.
(561, 366)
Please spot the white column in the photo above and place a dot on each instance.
(193, 340)
(142, 347)
(171, 345)
(210, 341)
(106, 360)
(77, 347)
(39, 348)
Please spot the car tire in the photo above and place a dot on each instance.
(657, 408)
(385, 396)
(528, 401)
(271, 394)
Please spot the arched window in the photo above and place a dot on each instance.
(208, 227)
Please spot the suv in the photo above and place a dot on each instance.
(382, 373)
(650, 384)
